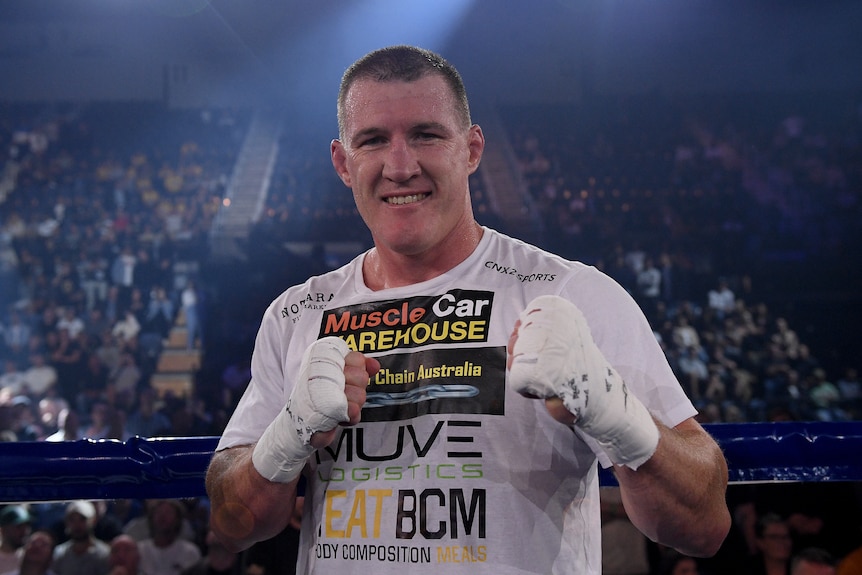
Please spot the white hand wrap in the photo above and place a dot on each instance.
(317, 403)
(555, 356)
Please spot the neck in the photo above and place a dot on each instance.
(81, 545)
(383, 268)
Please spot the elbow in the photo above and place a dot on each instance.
(710, 535)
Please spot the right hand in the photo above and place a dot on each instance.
(358, 369)
(330, 390)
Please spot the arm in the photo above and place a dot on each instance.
(686, 511)
(672, 480)
(252, 488)
(245, 507)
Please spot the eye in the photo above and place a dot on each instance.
(371, 141)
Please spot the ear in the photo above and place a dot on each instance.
(339, 161)
(476, 146)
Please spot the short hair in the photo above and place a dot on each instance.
(406, 64)
(765, 521)
(814, 555)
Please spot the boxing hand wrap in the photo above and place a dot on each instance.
(555, 356)
(317, 403)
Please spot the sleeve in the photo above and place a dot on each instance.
(268, 390)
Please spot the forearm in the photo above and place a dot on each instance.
(677, 497)
(245, 507)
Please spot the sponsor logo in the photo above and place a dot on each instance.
(520, 275)
(317, 300)
(456, 317)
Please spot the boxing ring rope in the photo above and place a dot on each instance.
(174, 468)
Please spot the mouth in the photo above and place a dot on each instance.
(403, 200)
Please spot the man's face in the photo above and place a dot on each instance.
(77, 527)
(39, 549)
(15, 535)
(407, 155)
(776, 542)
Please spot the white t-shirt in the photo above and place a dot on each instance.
(449, 470)
(170, 560)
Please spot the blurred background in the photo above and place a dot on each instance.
(165, 173)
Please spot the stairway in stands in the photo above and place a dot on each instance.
(177, 365)
(249, 184)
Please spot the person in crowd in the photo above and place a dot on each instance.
(519, 324)
(189, 299)
(69, 426)
(37, 557)
(82, 553)
(812, 561)
(774, 546)
(15, 528)
(165, 551)
(124, 557)
(146, 420)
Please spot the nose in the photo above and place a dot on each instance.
(400, 163)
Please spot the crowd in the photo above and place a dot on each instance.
(105, 212)
(104, 219)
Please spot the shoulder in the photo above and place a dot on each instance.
(514, 260)
(316, 290)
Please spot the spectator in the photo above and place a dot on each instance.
(13, 380)
(126, 379)
(125, 557)
(15, 526)
(721, 299)
(190, 305)
(69, 426)
(774, 546)
(100, 421)
(38, 555)
(146, 420)
(812, 561)
(40, 377)
(165, 551)
(127, 328)
(83, 553)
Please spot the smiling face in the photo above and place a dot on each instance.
(407, 154)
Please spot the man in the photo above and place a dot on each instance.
(165, 552)
(774, 545)
(37, 556)
(124, 557)
(83, 553)
(448, 457)
(15, 526)
(812, 561)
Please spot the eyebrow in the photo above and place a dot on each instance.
(420, 127)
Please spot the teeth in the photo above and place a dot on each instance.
(401, 200)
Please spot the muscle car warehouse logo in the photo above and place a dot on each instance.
(446, 379)
(457, 316)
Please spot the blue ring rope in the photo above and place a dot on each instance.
(175, 467)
